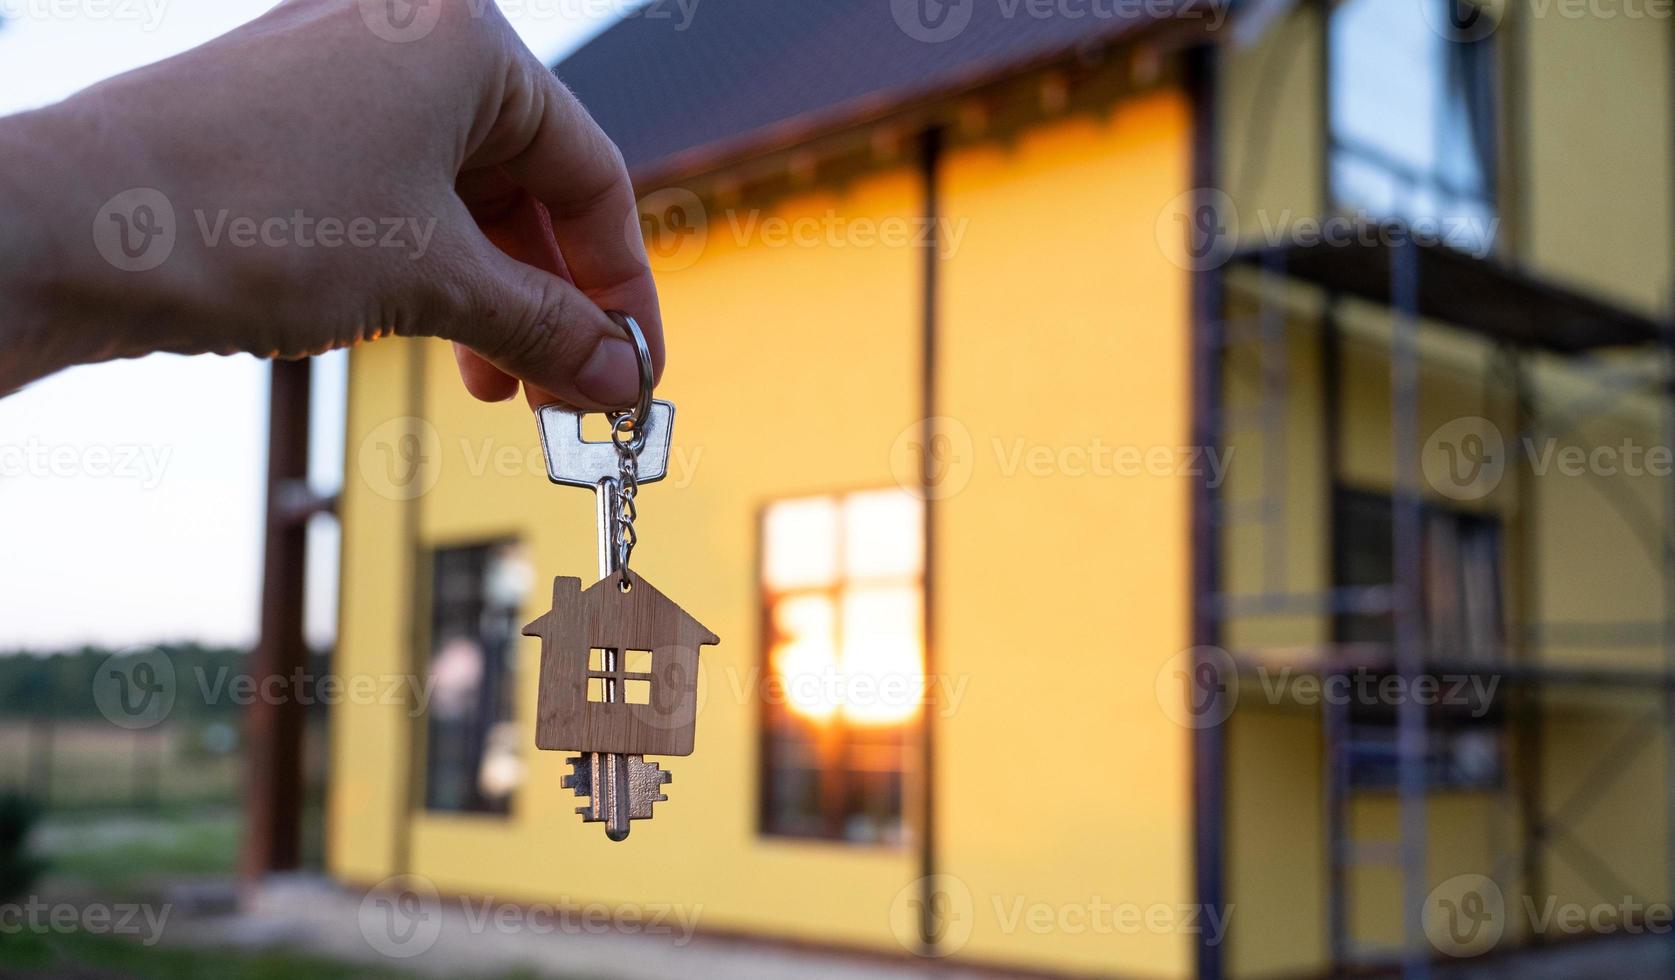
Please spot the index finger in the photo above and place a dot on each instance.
(554, 150)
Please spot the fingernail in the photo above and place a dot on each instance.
(610, 377)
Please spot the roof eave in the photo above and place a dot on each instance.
(797, 130)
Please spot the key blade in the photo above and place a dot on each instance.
(617, 802)
(575, 462)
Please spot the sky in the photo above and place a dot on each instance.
(131, 493)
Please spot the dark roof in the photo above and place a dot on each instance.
(743, 72)
(1478, 294)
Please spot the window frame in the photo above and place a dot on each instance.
(909, 729)
(426, 610)
(1493, 164)
(1444, 727)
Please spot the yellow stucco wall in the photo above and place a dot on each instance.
(1062, 593)
(796, 369)
(1598, 155)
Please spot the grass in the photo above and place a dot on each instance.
(80, 954)
(123, 857)
(118, 854)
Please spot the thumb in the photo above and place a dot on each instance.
(545, 332)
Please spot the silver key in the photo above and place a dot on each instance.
(621, 788)
(573, 462)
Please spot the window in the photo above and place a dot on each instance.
(842, 606)
(474, 759)
(1460, 555)
(1412, 116)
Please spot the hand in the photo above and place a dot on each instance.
(305, 183)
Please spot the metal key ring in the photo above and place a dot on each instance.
(642, 355)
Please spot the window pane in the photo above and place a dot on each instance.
(1413, 120)
(474, 758)
(841, 581)
(805, 654)
(800, 544)
(882, 668)
(883, 535)
(1386, 80)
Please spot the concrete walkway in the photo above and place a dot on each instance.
(432, 936)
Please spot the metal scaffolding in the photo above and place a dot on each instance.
(1422, 288)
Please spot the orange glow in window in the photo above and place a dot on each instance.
(846, 607)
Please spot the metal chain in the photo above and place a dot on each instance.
(628, 442)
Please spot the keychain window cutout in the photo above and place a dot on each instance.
(632, 676)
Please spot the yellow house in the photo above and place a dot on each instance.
(1124, 450)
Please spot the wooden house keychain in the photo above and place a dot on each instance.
(619, 660)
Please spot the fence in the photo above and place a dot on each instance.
(77, 764)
